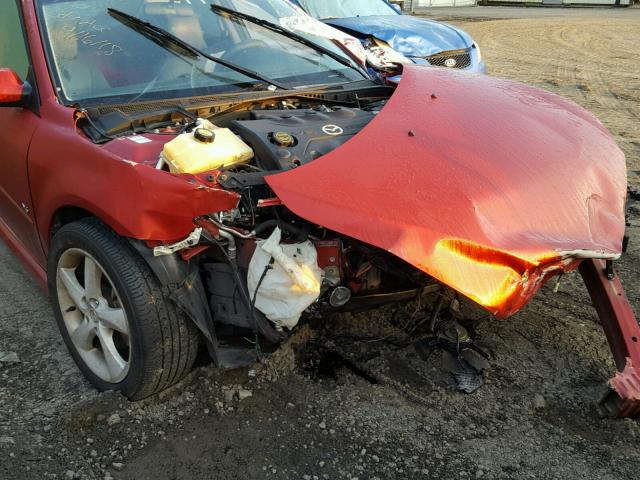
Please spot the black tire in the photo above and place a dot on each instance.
(163, 342)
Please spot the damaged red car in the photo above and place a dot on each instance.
(184, 174)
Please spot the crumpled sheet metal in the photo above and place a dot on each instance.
(489, 186)
(411, 36)
(626, 384)
(303, 23)
(118, 186)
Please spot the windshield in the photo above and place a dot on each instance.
(95, 56)
(324, 9)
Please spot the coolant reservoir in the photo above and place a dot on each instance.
(206, 148)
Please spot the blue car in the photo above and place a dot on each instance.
(423, 41)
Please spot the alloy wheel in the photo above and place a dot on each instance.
(94, 315)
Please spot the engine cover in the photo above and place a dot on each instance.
(285, 139)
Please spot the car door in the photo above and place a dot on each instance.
(17, 126)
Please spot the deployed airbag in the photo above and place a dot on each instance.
(284, 279)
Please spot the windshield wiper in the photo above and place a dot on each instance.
(169, 41)
(287, 33)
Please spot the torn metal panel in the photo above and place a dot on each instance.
(615, 312)
(482, 183)
(623, 334)
(411, 36)
(624, 400)
(135, 199)
(305, 24)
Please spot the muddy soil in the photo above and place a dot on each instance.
(346, 398)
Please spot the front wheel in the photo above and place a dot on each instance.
(115, 318)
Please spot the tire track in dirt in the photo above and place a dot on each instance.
(594, 62)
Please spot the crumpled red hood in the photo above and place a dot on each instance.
(488, 185)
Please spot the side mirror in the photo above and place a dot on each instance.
(396, 7)
(13, 91)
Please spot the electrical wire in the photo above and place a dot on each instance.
(268, 267)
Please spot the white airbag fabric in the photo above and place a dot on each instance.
(291, 285)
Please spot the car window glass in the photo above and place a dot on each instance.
(325, 9)
(13, 51)
(95, 56)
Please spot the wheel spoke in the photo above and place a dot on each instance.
(92, 278)
(83, 335)
(73, 287)
(97, 326)
(116, 365)
(113, 318)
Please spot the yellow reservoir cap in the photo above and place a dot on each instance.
(186, 154)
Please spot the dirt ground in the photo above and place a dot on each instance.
(386, 412)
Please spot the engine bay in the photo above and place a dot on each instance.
(278, 236)
(262, 268)
(284, 139)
